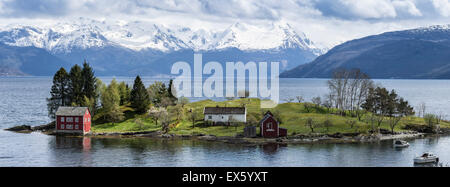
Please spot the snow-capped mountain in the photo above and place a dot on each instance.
(421, 53)
(87, 33)
(136, 47)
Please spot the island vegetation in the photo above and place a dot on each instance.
(354, 105)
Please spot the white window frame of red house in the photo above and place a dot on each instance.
(76, 119)
(76, 127)
(69, 119)
(62, 119)
(269, 127)
(62, 126)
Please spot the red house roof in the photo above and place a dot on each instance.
(71, 111)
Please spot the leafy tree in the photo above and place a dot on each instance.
(384, 104)
(311, 124)
(140, 99)
(125, 93)
(431, 120)
(193, 116)
(76, 86)
(183, 101)
(157, 92)
(111, 103)
(90, 103)
(177, 111)
(59, 92)
(157, 114)
(328, 123)
(317, 101)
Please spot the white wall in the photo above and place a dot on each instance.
(225, 117)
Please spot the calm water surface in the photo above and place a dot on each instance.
(22, 101)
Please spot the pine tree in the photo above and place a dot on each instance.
(140, 99)
(76, 86)
(172, 92)
(59, 92)
(88, 81)
(124, 91)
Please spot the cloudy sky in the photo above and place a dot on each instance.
(325, 21)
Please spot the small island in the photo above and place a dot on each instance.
(357, 112)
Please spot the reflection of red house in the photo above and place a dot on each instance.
(73, 120)
(270, 128)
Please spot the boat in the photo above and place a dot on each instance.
(427, 157)
(400, 144)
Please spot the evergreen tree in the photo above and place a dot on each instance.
(59, 92)
(88, 81)
(140, 99)
(171, 91)
(124, 91)
(76, 86)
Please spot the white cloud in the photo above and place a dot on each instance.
(370, 8)
(442, 6)
(406, 6)
(326, 21)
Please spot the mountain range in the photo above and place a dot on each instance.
(130, 48)
(422, 53)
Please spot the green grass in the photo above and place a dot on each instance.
(293, 117)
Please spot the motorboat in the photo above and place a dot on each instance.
(427, 157)
(400, 144)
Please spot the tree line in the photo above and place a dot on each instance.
(75, 88)
(80, 87)
(353, 93)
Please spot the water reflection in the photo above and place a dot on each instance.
(79, 151)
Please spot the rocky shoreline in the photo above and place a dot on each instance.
(295, 139)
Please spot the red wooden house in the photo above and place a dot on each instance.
(73, 120)
(270, 128)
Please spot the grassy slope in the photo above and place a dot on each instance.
(293, 117)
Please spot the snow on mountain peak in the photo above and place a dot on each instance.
(86, 33)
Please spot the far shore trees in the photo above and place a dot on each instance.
(140, 99)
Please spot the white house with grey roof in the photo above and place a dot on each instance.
(225, 115)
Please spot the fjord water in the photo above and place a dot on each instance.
(22, 101)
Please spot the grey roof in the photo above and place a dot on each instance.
(224, 110)
(71, 111)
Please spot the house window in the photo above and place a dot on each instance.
(269, 125)
(209, 117)
(76, 119)
(76, 127)
(62, 119)
(62, 126)
(69, 119)
(89, 119)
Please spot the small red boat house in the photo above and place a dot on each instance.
(270, 128)
(73, 120)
